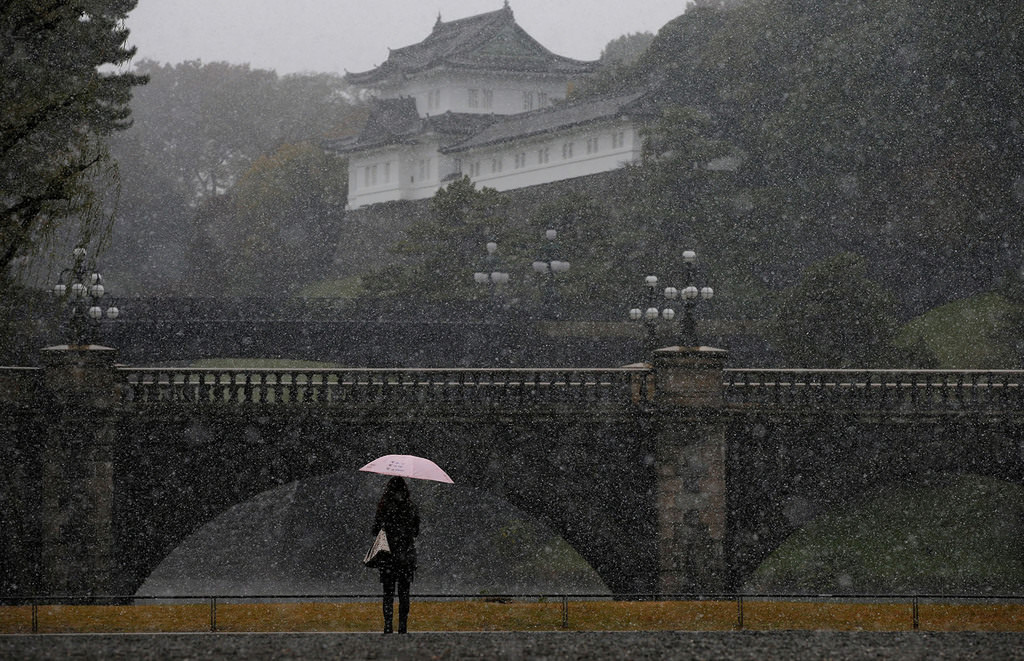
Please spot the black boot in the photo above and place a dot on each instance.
(389, 613)
(403, 615)
(403, 604)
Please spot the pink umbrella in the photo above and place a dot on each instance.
(407, 465)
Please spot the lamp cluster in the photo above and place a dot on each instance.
(81, 287)
(550, 264)
(491, 272)
(687, 296)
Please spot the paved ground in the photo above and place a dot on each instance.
(835, 646)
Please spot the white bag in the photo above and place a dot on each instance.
(379, 553)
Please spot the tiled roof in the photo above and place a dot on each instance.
(547, 120)
(395, 121)
(492, 42)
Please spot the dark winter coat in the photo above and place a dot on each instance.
(401, 522)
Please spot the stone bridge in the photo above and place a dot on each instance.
(672, 476)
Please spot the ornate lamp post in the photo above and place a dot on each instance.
(687, 296)
(491, 274)
(551, 265)
(650, 314)
(81, 287)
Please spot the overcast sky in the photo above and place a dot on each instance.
(349, 35)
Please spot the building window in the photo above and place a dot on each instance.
(592, 145)
(423, 169)
(473, 98)
(542, 99)
(543, 154)
(488, 99)
(369, 176)
(520, 160)
(618, 140)
(527, 100)
(567, 150)
(497, 165)
(387, 172)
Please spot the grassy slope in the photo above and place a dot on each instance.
(970, 333)
(965, 535)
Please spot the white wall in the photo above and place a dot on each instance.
(399, 173)
(416, 172)
(436, 95)
(522, 164)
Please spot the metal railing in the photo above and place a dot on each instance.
(367, 386)
(565, 601)
(881, 389)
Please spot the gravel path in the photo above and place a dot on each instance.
(835, 646)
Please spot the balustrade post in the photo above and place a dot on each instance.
(690, 460)
(77, 533)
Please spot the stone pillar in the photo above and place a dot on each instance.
(691, 477)
(77, 531)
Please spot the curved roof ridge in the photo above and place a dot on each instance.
(464, 42)
(499, 15)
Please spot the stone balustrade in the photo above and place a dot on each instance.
(508, 387)
(880, 389)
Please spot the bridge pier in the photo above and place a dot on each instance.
(690, 458)
(77, 550)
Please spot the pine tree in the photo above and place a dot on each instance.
(61, 94)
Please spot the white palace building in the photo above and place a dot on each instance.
(480, 97)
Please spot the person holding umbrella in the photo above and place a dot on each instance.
(399, 518)
(397, 515)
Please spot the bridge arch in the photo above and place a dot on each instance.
(585, 483)
(787, 470)
(309, 536)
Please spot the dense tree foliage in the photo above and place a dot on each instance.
(590, 238)
(277, 228)
(889, 128)
(436, 260)
(61, 94)
(198, 129)
(837, 317)
(626, 49)
(794, 131)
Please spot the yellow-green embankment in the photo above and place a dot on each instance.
(519, 616)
